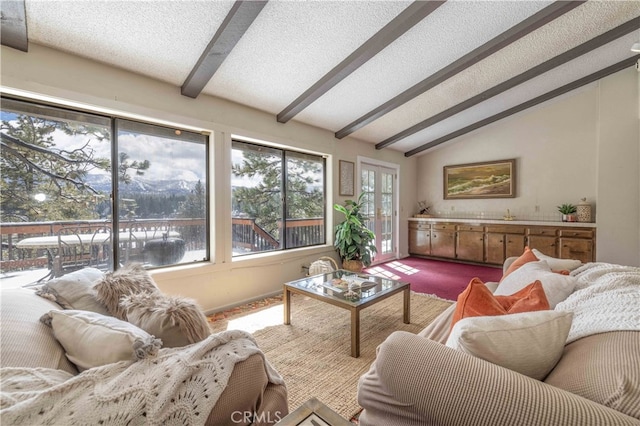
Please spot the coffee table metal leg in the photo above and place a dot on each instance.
(407, 307)
(355, 332)
(286, 302)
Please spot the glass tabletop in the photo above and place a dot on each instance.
(347, 287)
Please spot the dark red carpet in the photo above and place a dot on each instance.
(444, 279)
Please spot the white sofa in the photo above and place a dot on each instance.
(418, 380)
(221, 380)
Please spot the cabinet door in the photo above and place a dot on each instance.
(419, 242)
(514, 245)
(546, 245)
(576, 248)
(495, 248)
(443, 244)
(470, 246)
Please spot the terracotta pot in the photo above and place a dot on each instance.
(352, 265)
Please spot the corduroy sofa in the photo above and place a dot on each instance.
(31, 352)
(419, 380)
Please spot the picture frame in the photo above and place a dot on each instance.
(346, 171)
(487, 179)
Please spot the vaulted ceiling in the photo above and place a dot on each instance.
(402, 75)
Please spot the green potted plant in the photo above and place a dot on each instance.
(568, 211)
(353, 240)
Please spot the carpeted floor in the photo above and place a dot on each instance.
(441, 278)
(312, 354)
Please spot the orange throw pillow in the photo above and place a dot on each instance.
(477, 300)
(525, 257)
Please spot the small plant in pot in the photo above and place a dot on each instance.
(353, 240)
(568, 212)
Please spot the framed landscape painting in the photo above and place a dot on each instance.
(489, 179)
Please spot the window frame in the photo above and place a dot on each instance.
(60, 111)
(284, 150)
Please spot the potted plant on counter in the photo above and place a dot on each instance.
(568, 212)
(353, 240)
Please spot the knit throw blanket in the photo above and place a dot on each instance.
(606, 298)
(178, 387)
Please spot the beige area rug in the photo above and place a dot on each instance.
(312, 354)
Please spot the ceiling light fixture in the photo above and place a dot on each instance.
(636, 47)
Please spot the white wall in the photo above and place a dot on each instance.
(583, 144)
(223, 283)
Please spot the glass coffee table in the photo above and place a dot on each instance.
(350, 291)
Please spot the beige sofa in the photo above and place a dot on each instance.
(252, 393)
(417, 380)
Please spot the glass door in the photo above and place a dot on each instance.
(378, 183)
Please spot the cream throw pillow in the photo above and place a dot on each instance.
(177, 320)
(557, 287)
(91, 339)
(75, 291)
(558, 264)
(530, 343)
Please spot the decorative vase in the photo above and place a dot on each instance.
(584, 211)
(352, 265)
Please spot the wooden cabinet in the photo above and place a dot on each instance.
(502, 242)
(576, 244)
(443, 240)
(420, 238)
(544, 239)
(493, 243)
(470, 243)
(514, 245)
(495, 248)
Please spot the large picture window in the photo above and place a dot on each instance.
(278, 199)
(65, 172)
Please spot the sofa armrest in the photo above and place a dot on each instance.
(416, 381)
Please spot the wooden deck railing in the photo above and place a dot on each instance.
(246, 235)
(14, 258)
(249, 236)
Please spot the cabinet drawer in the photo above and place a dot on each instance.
(576, 233)
(478, 228)
(506, 229)
(419, 226)
(542, 231)
(444, 226)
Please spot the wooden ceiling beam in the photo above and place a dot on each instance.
(554, 62)
(236, 23)
(409, 17)
(516, 32)
(13, 24)
(528, 104)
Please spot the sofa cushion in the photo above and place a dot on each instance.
(130, 279)
(178, 321)
(558, 264)
(25, 341)
(91, 339)
(526, 257)
(530, 343)
(75, 290)
(477, 300)
(604, 368)
(557, 287)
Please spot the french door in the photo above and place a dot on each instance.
(378, 183)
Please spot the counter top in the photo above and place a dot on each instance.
(505, 222)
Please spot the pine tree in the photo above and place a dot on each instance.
(33, 164)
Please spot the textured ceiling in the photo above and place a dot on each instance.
(293, 44)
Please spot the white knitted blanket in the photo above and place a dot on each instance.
(606, 298)
(178, 387)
